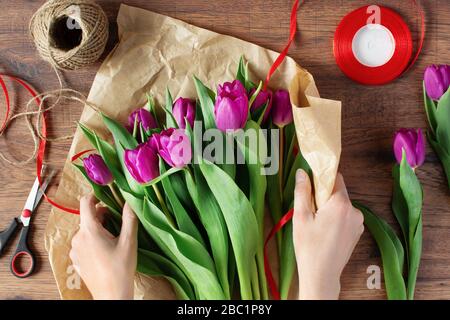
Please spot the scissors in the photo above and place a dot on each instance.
(22, 250)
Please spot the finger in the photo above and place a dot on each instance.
(128, 233)
(302, 195)
(339, 186)
(88, 211)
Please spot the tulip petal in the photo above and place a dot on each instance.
(402, 142)
(228, 115)
(420, 148)
(434, 82)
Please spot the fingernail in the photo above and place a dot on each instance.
(300, 175)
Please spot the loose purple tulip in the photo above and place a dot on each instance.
(144, 117)
(263, 97)
(173, 146)
(184, 108)
(97, 170)
(437, 80)
(281, 108)
(413, 142)
(231, 108)
(142, 163)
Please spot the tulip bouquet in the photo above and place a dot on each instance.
(407, 198)
(201, 205)
(437, 107)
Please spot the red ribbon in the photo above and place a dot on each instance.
(401, 60)
(288, 216)
(283, 54)
(268, 271)
(42, 142)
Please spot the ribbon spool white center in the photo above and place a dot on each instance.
(373, 45)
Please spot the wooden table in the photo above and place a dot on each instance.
(370, 117)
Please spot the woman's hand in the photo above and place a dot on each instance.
(106, 264)
(323, 240)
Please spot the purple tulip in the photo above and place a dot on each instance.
(281, 108)
(142, 163)
(231, 108)
(173, 146)
(413, 142)
(263, 97)
(143, 117)
(184, 108)
(437, 80)
(97, 170)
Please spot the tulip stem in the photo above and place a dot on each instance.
(163, 205)
(116, 196)
(280, 171)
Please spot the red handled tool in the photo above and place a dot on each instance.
(22, 250)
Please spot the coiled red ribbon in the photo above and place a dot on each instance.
(401, 60)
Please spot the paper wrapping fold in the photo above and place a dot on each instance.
(155, 51)
(318, 127)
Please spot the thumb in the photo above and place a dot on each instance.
(302, 195)
(128, 234)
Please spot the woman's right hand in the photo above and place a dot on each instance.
(323, 240)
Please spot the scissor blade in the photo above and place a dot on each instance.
(29, 205)
(43, 188)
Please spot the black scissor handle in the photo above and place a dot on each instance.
(6, 234)
(23, 251)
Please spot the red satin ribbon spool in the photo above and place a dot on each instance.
(392, 69)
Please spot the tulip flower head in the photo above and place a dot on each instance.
(413, 143)
(97, 170)
(143, 117)
(231, 107)
(142, 163)
(184, 108)
(282, 108)
(263, 97)
(173, 146)
(437, 80)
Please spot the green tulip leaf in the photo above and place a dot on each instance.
(413, 194)
(443, 121)
(186, 252)
(162, 176)
(179, 186)
(170, 119)
(212, 219)
(182, 217)
(430, 109)
(443, 155)
(287, 261)
(399, 205)
(120, 133)
(258, 184)
(391, 253)
(151, 106)
(243, 75)
(255, 95)
(155, 265)
(240, 219)
(206, 103)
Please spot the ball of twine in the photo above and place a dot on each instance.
(70, 34)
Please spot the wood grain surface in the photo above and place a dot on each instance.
(370, 117)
